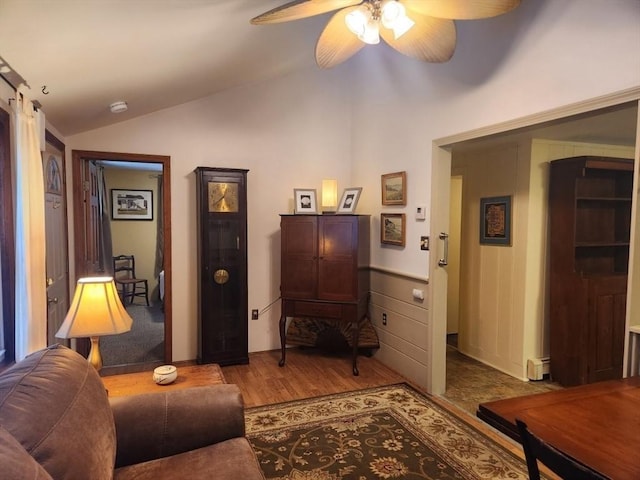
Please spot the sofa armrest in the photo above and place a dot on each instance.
(162, 424)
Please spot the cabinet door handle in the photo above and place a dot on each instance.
(444, 261)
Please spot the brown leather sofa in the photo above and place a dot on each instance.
(57, 422)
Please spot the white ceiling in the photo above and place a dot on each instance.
(151, 53)
(155, 54)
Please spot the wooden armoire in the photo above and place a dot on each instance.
(222, 265)
(325, 270)
(590, 218)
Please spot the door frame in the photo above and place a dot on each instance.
(440, 175)
(79, 158)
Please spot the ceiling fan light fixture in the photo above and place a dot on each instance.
(371, 33)
(357, 20)
(394, 17)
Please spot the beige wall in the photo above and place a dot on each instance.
(136, 237)
(378, 113)
(504, 290)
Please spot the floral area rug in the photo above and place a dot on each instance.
(379, 433)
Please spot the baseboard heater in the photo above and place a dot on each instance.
(537, 368)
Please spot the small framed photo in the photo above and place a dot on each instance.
(305, 200)
(349, 200)
(131, 204)
(495, 221)
(394, 188)
(392, 228)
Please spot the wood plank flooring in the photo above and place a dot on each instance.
(307, 373)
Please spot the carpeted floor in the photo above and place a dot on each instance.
(378, 433)
(143, 343)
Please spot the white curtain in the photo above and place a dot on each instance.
(31, 292)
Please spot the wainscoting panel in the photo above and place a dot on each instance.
(404, 339)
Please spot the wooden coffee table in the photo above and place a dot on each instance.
(142, 382)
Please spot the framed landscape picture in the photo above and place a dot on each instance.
(131, 204)
(392, 228)
(495, 221)
(394, 188)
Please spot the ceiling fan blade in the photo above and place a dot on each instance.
(461, 9)
(337, 42)
(430, 39)
(301, 9)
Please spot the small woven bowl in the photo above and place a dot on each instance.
(165, 374)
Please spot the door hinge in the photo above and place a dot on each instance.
(85, 185)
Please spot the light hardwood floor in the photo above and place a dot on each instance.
(307, 373)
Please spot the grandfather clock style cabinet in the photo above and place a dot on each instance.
(222, 265)
(325, 271)
(589, 220)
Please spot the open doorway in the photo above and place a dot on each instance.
(97, 176)
(595, 126)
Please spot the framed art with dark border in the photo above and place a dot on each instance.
(394, 188)
(392, 228)
(495, 221)
(304, 200)
(131, 204)
(349, 200)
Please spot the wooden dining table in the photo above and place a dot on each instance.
(597, 424)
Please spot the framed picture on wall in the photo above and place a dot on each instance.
(394, 188)
(392, 228)
(131, 204)
(495, 221)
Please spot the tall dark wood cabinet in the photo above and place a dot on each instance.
(222, 265)
(325, 270)
(590, 218)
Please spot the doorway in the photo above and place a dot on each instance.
(92, 257)
(575, 123)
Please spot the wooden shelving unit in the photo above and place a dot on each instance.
(590, 218)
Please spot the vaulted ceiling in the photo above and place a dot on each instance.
(153, 53)
(78, 57)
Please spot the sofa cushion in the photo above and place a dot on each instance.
(54, 403)
(16, 463)
(229, 460)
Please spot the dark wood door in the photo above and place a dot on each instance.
(607, 307)
(337, 258)
(222, 261)
(299, 264)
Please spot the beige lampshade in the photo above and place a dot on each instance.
(96, 310)
(329, 194)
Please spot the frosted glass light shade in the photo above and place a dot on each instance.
(96, 310)
(357, 20)
(329, 194)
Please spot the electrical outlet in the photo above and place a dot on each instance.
(254, 314)
(384, 318)
(424, 243)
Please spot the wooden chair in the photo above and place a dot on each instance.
(535, 449)
(127, 284)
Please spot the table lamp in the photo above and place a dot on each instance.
(329, 195)
(96, 310)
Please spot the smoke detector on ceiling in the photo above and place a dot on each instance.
(118, 107)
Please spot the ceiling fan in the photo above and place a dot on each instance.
(423, 29)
